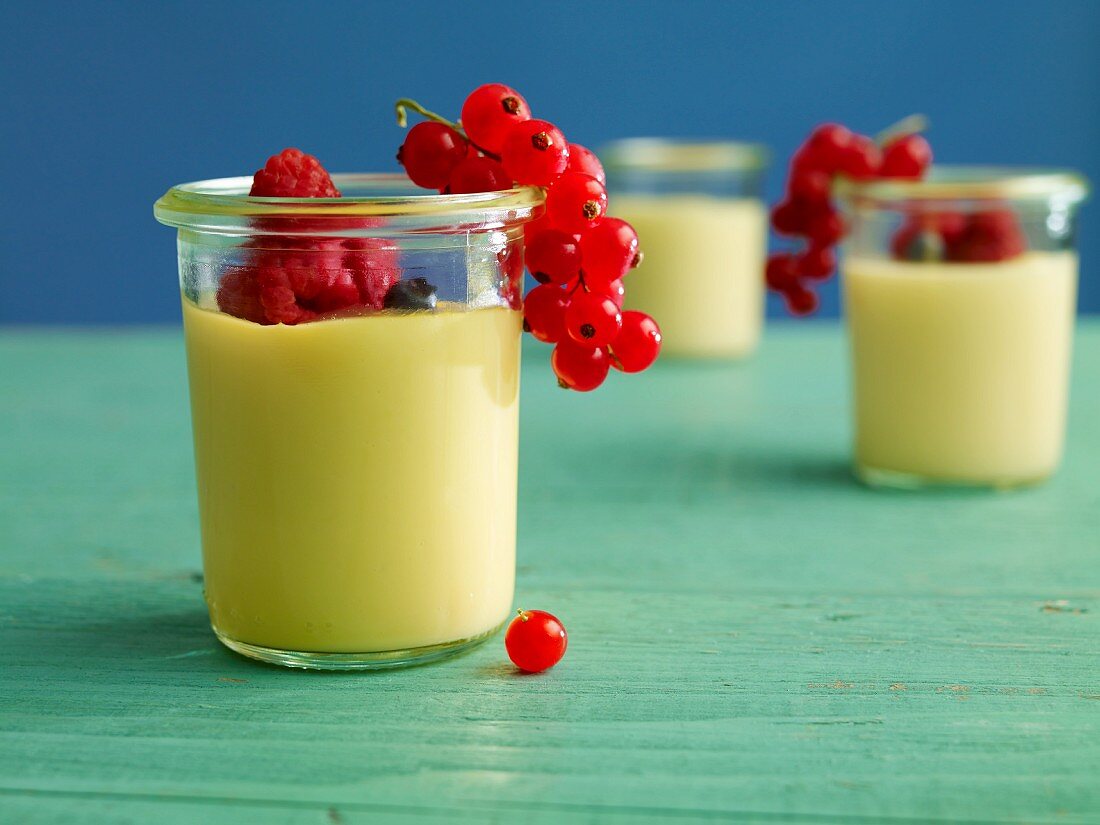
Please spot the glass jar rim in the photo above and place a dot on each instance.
(972, 183)
(223, 205)
(652, 154)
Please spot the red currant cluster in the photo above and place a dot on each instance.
(808, 212)
(575, 251)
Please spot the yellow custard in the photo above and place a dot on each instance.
(960, 371)
(357, 477)
(702, 277)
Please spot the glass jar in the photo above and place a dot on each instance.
(354, 372)
(702, 225)
(959, 292)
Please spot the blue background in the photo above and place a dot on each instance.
(108, 104)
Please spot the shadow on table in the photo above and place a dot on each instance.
(743, 467)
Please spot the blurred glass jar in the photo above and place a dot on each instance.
(959, 293)
(702, 227)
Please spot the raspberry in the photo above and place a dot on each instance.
(239, 295)
(374, 268)
(308, 278)
(989, 236)
(293, 174)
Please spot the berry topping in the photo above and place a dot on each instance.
(489, 114)
(801, 301)
(535, 641)
(430, 153)
(544, 313)
(413, 294)
(781, 272)
(239, 295)
(807, 210)
(554, 256)
(861, 159)
(578, 255)
(576, 202)
(535, 153)
(908, 156)
(478, 174)
(610, 250)
(293, 174)
(638, 343)
(585, 161)
(578, 366)
(592, 319)
(989, 236)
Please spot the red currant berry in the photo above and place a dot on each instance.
(553, 256)
(612, 289)
(478, 174)
(430, 153)
(544, 313)
(490, 112)
(532, 229)
(862, 159)
(535, 641)
(638, 343)
(579, 367)
(584, 160)
(781, 273)
(592, 319)
(576, 202)
(826, 229)
(817, 263)
(801, 301)
(535, 152)
(609, 250)
(906, 157)
(828, 145)
(791, 217)
(809, 185)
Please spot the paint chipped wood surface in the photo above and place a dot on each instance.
(752, 635)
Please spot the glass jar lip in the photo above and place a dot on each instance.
(972, 183)
(653, 154)
(221, 203)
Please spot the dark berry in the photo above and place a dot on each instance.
(413, 294)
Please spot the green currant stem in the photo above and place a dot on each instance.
(405, 103)
(911, 125)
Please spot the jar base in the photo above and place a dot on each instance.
(375, 660)
(898, 480)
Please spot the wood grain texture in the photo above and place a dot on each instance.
(753, 636)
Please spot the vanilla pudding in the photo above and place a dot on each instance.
(357, 477)
(702, 229)
(960, 370)
(702, 270)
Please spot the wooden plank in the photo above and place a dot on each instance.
(752, 635)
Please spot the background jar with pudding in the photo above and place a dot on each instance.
(698, 211)
(356, 468)
(959, 292)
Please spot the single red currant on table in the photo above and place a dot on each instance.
(535, 641)
(578, 254)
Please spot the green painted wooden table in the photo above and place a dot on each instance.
(752, 635)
